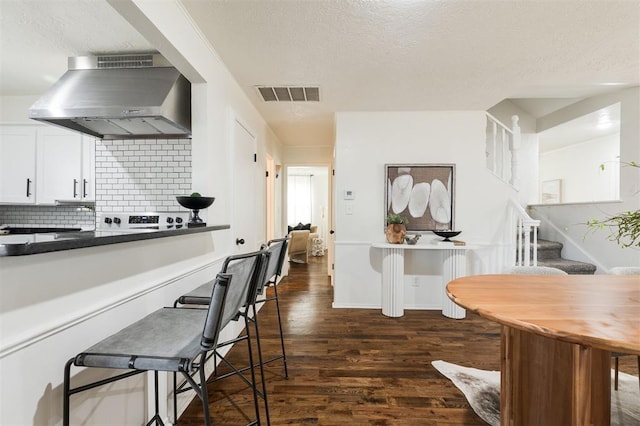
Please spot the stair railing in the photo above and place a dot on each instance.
(524, 232)
(501, 149)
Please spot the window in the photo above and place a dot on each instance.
(299, 201)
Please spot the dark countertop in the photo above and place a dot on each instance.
(25, 244)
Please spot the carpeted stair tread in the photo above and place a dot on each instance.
(548, 244)
(569, 266)
(548, 250)
(550, 254)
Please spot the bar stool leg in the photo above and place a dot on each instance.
(284, 355)
(65, 404)
(261, 365)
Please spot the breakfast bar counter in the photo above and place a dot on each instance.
(35, 243)
(81, 288)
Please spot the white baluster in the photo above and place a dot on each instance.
(535, 246)
(514, 147)
(527, 246)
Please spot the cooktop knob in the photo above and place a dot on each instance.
(116, 220)
(169, 220)
(178, 220)
(107, 220)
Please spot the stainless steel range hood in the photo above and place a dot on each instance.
(119, 97)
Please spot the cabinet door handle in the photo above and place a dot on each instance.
(84, 188)
(28, 187)
(75, 188)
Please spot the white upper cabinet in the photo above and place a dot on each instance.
(44, 164)
(17, 164)
(59, 165)
(88, 168)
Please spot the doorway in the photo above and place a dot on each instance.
(308, 201)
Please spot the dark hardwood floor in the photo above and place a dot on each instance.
(356, 366)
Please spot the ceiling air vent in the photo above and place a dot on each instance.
(289, 93)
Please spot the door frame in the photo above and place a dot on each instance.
(270, 197)
(329, 213)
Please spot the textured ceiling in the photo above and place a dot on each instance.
(365, 56)
(37, 37)
(419, 55)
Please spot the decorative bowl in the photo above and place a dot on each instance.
(446, 234)
(195, 203)
(412, 240)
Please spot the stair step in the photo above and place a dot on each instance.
(572, 267)
(550, 254)
(549, 250)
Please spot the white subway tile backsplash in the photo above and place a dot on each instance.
(57, 216)
(142, 174)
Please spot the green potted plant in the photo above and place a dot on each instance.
(396, 229)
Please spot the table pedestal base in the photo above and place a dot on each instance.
(549, 382)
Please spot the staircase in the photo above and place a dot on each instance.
(549, 254)
(522, 231)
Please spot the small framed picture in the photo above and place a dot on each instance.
(551, 191)
(423, 193)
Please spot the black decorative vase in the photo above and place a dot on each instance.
(195, 204)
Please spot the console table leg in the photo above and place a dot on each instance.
(454, 265)
(393, 282)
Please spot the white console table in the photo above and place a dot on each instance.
(454, 265)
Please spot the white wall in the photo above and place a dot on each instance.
(568, 221)
(365, 142)
(578, 166)
(15, 109)
(299, 155)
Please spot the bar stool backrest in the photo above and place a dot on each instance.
(278, 252)
(283, 254)
(213, 322)
(246, 270)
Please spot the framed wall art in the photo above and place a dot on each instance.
(551, 191)
(423, 193)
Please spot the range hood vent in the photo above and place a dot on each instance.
(119, 97)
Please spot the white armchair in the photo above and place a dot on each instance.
(300, 244)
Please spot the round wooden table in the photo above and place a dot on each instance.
(557, 335)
